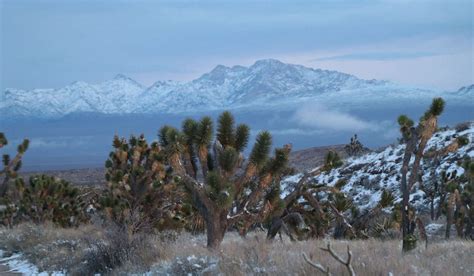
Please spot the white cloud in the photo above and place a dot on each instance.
(449, 66)
(56, 142)
(317, 116)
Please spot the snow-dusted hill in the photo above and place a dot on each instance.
(266, 84)
(366, 176)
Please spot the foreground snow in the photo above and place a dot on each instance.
(17, 263)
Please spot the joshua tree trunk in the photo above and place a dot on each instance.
(410, 147)
(449, 215)
(432, 211)
(442, 199)
(216, 227)
(202, 154)
(468, 230)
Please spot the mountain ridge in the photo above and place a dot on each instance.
(266, 83)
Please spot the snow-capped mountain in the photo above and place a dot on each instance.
(108, 97)
(466, 90)
(366, 176)
(265, 84)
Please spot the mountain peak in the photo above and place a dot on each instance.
(268, 62)
(122, 77)
(469, 89)
(218, 74)
(220, 68)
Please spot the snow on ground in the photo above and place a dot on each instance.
(366, 176)
(17, 263)
(433, 228)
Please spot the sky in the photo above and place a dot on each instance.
(49, 44)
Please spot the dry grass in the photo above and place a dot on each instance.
(66, 249)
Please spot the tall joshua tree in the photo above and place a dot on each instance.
(415, 139)
(227, 189)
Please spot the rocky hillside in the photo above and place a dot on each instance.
(309, 158)
(366, 176)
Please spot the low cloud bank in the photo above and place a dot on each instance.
(318, 116)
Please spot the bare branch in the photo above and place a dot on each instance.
(316, 265)
(347, 263)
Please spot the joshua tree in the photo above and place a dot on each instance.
(415, 139)
(141, 192)
(10, 166)
(459, 211)
(467, 198)
(227, 189)
(355, 147)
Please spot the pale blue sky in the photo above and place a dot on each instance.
(52, 43)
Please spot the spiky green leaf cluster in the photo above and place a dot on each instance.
(386, 199)
(230, 136)
(228, 159)
(242, 134)
(437, 107)
(278, 163)
(219, 190)
(462, 140)
(405, 124)
(226, 129)
(261, 149)
(204, 132)
(46, 198)
(3, 140)
(332, 161)
(342, 202)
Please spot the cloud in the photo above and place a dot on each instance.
(317, 116)
(296, 131)
(153, 38)
(57, 142)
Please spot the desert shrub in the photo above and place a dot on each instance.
(116, 248)
(462, 126)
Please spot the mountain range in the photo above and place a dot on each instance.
(266, 84)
